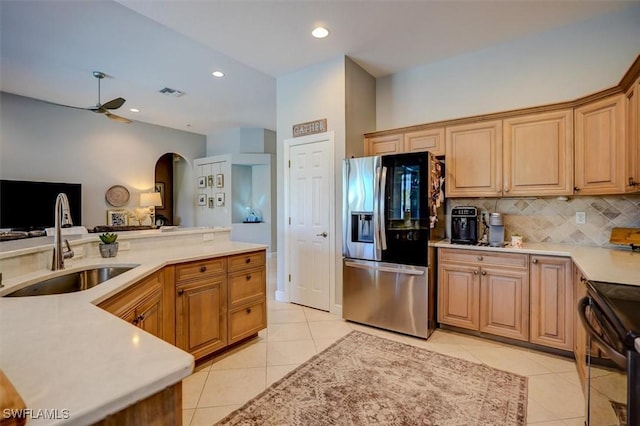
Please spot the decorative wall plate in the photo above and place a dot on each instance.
(117, 195)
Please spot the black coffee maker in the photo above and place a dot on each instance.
(464, 225)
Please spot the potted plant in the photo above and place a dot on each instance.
(108, 245)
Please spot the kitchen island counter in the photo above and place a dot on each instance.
(65, 355)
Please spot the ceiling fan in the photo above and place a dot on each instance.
(105, 107)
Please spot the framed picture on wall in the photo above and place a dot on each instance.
(159, 187)
(117, 217)
(202, 199)
(219, 199)
(202, 182)
(210, 180)
(219, 180)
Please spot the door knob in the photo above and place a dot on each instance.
(323, 235)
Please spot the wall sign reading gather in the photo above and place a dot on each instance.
(310, 127)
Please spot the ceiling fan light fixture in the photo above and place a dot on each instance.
(218, 74)
(320, 32)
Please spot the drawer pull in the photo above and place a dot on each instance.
(180, 292)
(475, 272)
(247, 260)
(203, 269)
(479, 257)
(534, 261)
(484, 272)
(248, 277)
(248, 310)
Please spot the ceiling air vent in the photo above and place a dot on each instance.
(171, 92)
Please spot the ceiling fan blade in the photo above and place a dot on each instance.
(117, 118)
(114, 103)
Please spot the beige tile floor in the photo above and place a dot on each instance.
(296, 333)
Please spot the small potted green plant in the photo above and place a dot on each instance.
(108, 245)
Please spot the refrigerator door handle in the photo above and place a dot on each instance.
(384, 268)
(382, 208)
(376, 213)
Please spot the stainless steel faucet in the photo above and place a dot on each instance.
(63, 219)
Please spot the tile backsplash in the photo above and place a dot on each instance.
(551, 220)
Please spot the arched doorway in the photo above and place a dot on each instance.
(166, 172)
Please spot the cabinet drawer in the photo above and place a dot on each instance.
(200, 269)
(248, 320)
(246, 260)
(480, 257)
(246, 286)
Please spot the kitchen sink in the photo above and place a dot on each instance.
(72, 281)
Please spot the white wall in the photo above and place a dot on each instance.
(40, 141)
(559, 65)
(313, 93)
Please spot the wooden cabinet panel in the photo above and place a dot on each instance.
(247, 286)
(142, 305)
(474, 160)
(600, 147)
(431, 140)
(633, 138)
(458, 295)
(538, 154)
(504, 302)
(483, 257)
(247, 320)
(201, 316)
(201, 269)
(552, 302)
(384, 145)
(242, 261)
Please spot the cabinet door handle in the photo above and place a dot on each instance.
(506, 190)
(180, 292)
(576, 189)
(484, 272)
(479, 257)
(534, 261)
(247, 260)
(475, 272)
(248, 277)
(582, 279)
(203, 269)
(248, 310)
(140, 317)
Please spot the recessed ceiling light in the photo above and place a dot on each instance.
(134, 110)
(320, 32)
(218, 74)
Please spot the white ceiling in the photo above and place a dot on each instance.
(50, 48)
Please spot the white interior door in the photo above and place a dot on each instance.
(311, 209)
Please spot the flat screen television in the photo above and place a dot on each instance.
(28, 206)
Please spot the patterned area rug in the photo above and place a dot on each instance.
(367, 380)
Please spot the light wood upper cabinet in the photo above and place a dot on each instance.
(474, 160)
(431, 140)
(633, 137)
(538, 154)
(552, 302)
(384, 145)
(600, 165)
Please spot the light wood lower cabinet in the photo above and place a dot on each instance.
(552, 302)
(247, 295)
(145, 306)
(484, 291)
(201, 313)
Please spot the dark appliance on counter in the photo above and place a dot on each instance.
(464, 225)
(611, 316)
(389, 207)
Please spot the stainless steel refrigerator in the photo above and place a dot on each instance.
(390, 204)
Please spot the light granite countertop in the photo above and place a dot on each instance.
(64, 354)
(615, 265)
